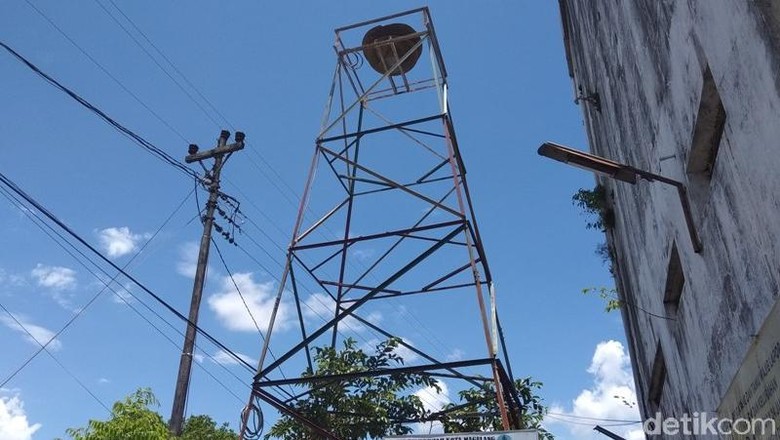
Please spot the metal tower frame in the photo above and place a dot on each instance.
(443, 238)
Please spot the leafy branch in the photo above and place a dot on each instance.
(607, 294)
(593, 203)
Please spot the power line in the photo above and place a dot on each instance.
(138, 43)
(133, 136)
(235, 285)
(16, 189)
(127, 132)
(61, 365)
(317, 314)
(571, 422)
(273, 170)
(151, 148)
(42, 225)
(84, 308)
(246, 305)
(162, 54)
(272, 181)
(104, 70)
(137, 138)
(596, 419)
(143, 142)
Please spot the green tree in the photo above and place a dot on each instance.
(203, 427)
(480, 413)
(130, 418)
(360, 408)
(134, 418)
(593, 203)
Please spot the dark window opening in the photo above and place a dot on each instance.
(657, 378)
(707, 129)
(675, 280)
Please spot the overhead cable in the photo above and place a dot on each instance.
(150, 147)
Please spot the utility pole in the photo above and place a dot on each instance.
(608, 433)
(220, 154)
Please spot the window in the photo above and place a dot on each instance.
(707, 129)
(657, 378)
(675, 279)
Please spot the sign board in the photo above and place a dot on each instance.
(526, 434)
(754, 391)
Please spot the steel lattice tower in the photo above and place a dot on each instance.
(386, 214)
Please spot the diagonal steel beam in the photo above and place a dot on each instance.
(393, 183)
(278, 404)
(376, 236)
(346, 312)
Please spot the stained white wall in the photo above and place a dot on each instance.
(645, 58)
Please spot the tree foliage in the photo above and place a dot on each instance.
(203, 427)
(134, 418)
(593, 203)
(359, 408)
(130, 418)
(480, 413)
(609, 295)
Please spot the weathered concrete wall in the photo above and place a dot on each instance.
(646, 59)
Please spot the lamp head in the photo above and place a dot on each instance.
(588, 161)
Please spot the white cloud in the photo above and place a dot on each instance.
(36, 335)
(223, 358)
(13, 420)
(433, 400)
(406, 353)
(122, 295)
(259, 297)
(7, 279)
(612, 396)
(363, 255)
(188, 260)
(455, 355)
(117, 242)
(322, 307)
(103, 381)
(58, 282)
(54, 277)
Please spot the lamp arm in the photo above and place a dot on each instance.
(682, 192)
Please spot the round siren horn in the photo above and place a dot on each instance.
(382, 57)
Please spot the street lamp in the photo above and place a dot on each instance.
(624, 173)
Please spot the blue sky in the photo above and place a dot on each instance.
(267, 68)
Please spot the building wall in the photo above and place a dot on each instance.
(648, 60)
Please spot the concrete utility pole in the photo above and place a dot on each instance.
(220, 153)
